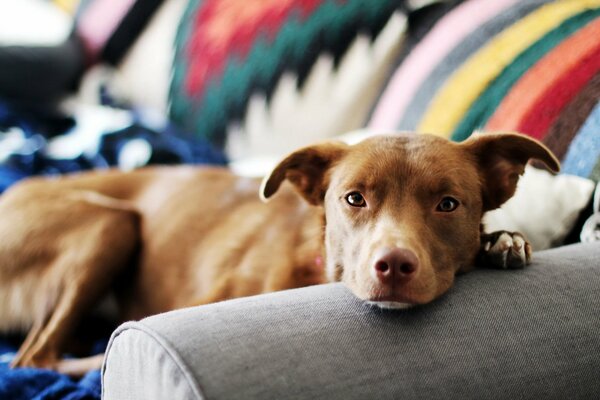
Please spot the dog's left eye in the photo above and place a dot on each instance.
(448, 204)
(356, 199)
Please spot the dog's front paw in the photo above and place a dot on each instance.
(505, 250)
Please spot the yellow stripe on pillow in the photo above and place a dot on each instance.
(70, 6)
(466, 84)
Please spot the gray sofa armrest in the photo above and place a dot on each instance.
(524, 334)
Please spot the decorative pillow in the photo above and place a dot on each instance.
(149, 59)
(266, 76)
(108, 28)
(529, 66)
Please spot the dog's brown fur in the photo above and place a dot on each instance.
(165, 238)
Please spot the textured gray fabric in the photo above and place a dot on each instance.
(456, 57)
(523, 334)
(144, 362)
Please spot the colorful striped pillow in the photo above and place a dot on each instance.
(529, 66)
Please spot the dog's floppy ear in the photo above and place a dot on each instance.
(307, 169)
(502, 158)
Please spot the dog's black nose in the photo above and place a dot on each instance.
(396, 266)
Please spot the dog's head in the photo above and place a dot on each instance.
(403, 212)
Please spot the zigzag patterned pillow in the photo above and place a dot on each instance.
(266, 76)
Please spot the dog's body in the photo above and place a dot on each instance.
(394, 217)
(199, 235)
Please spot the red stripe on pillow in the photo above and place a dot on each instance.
(224, 27)
(563, 90)
(535, 84)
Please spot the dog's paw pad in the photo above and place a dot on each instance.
(506, 250)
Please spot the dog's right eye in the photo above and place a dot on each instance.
(356, 199)
(448, 204)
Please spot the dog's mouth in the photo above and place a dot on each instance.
(391, 301)
(390, 305)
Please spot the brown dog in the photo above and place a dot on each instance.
(393, 217)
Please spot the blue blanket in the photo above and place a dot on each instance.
(49, 143)
(38, 384)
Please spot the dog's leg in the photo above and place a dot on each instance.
(91, 243)
(504, 250)
(78, 367)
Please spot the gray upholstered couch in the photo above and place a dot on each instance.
(524, 334)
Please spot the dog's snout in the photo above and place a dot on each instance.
(395, 265)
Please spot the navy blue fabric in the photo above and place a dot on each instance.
(168, 145)
(42, 119)
(38, 384)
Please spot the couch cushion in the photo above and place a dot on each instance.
(526, 334)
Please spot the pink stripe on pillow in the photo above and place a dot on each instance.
(444, 36)
(99, 21)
